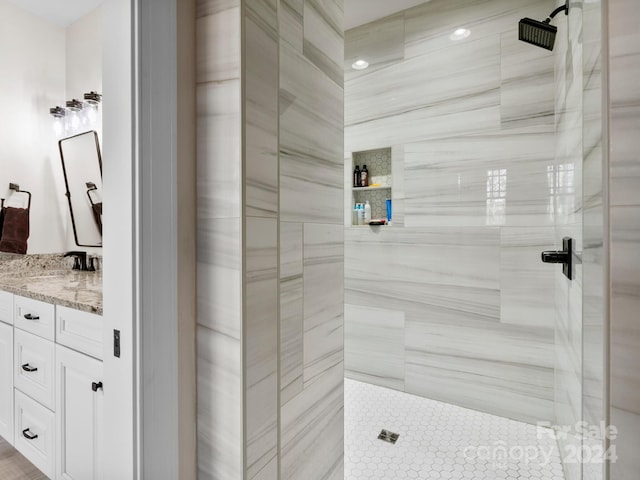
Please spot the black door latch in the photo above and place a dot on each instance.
(563, 256)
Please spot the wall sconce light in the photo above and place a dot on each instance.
(92, 98)
(74, 107)
(76, 115)
(59, 115)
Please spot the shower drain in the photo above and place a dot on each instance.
(388, 436)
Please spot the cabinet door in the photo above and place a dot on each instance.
(79, 415)
(6, 382)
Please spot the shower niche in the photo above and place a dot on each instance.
(377, 192)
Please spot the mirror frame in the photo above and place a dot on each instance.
(66, 180)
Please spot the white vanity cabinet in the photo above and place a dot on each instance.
(6, 382)
(51, 386)
(78, 415)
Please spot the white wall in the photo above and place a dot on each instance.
(84, 39)
(32, 56)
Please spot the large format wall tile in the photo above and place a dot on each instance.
(291, 310)
(218, 183)
(481, 365)
(624, 19)
(261, 343)
(323, 37)
(261, 109)
(311, 141)
(495, 179)
(374, 346)
(313, 430)
(429, 25)
(522, 272)
(323, 298)
(381, 43)
(219, 405)
(460, 77)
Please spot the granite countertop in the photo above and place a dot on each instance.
(55, 283)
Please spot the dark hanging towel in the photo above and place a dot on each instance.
(96, 208)
(15, 230)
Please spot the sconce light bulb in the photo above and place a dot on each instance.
(91, 114)
(58, 126)
(75, 121)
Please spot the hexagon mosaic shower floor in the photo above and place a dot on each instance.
(439, 441)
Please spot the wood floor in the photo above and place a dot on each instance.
(13, 466)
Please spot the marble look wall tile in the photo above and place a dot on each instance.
(313, 429)
(429, 26)
(627, 441)
(311, 143)
(459, 76)
(527, 83)
(493, 179)
(211, 7)
(381, 43)
(218, 150)
(485, 366)
(291, 23)
(625, 302)
(261, 343)
(219, 405)
(426, 256)
(374, 346)
(522, 272)
(323, 298)
(291, 310)
(460, 116)
(625, 233)
(324, 38)
(219, 276)
(625, 123)
(218, 40)
(261, 112)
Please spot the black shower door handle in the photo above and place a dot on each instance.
(563, 256)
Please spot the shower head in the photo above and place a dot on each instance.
(540, 34)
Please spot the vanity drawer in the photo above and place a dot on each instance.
(34, 367)
(81, 331)
(34, 316)
(6, 307)
(34, 433)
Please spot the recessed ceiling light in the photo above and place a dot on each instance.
(360, 64)
(460, 34)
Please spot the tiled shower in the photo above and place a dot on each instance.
(496, 156)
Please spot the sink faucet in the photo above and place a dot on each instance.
(79, 260)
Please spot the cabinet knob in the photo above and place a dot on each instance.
(96, 386)
(28, 435)
(27, 368)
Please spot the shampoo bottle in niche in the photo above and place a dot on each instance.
(356, 176)
(360, 214)
(364, 177)
(367, 212)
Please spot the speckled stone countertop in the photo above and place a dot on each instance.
(49, 278)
